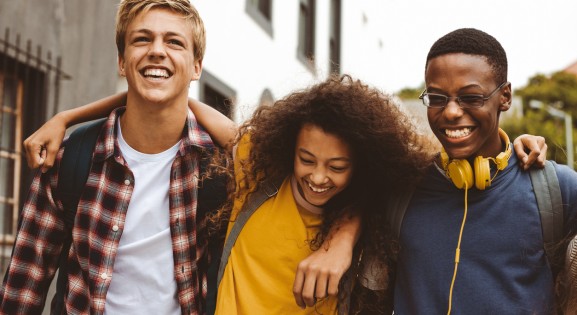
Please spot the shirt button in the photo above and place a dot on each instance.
(127, 182)
(115, 228)
(104, 276)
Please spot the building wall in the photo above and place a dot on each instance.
(80, 31)
(245, 57)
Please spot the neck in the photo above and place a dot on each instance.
(301, 201)
(153, 128)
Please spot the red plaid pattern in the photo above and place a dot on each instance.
(96, 232)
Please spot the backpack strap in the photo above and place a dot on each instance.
(396, 209)
(371, 275)
(256, 199)
(211, 194)
(72, 175)
(548, 195)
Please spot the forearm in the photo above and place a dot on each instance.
(221, 128)
(346, 230)
(97, 109)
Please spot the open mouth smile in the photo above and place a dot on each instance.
(458, 133)
(156, 73)
(317, 189)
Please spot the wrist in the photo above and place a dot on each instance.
(63, 119)
(342, 239)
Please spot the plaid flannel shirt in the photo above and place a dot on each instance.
(97, 230)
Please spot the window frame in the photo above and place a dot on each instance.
(12, 152)
(208, 79)
(260, 18)
(307, 33)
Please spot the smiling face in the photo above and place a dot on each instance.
(323, 165)
(158, 59)
(466, 132)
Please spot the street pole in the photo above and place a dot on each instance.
(569, 137)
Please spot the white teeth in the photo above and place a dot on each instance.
(458, 133)
(156, 73)
(318, 190)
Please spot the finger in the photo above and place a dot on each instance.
(542, 156)
(333, 285)
(321, 285)
(50, 152)
(34, 157)
(520, 151)
(309, 289)
(298, 288)
(42, 160)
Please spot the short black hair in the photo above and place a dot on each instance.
(473, 42)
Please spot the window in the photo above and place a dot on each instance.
(261, 12)
(216, 94)
(306, 32)
(335, 37)
(10, 148)
(266, 98)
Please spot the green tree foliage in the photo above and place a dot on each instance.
(558, 90)
(411, 93)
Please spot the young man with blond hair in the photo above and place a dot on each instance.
(138, 242)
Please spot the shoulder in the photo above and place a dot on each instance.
(568, 185)
(567, 177)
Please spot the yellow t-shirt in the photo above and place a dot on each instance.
(259, 276)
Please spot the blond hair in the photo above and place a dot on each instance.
(129, 9)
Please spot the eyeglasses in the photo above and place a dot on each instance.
(465, 101)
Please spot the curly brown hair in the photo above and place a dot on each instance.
(388, 154)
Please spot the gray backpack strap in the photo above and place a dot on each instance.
(548, 195)
(256, 199)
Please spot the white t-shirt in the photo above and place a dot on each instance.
(143, 276)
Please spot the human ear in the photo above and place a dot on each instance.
(197, 71)
(121, 71)
(506, 98)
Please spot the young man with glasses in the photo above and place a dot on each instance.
(471, 239)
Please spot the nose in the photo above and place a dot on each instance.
(157, 49)
(319, 176)
(452, 110)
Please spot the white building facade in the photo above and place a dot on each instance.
(261, 50)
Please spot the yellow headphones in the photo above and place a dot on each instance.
(461, 173)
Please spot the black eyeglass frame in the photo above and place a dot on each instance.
(424, 95)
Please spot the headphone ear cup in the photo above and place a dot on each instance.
(460, 173)
(482, 173)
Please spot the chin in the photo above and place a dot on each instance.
(317, 203)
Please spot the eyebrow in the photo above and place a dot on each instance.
(149, 32)
(342, 158)
(435, 90)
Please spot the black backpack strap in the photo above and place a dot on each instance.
(256, 199)
(396, 208)
(548, 195)
(72, 175)
(371, 276)
(212, 194)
